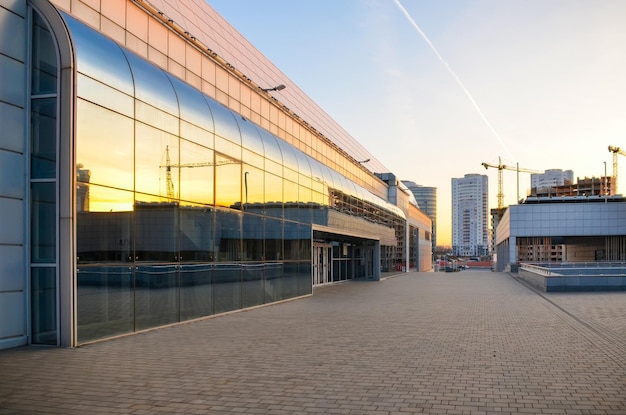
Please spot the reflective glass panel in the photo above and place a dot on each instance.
(253, 189)
(44, 59)
(252, 238)
(227, 287)
(152, 85)
(193, 105)
(43, 297)
(252, 291)
(99, 57)
(156, 228)
(196, 291)
(43, 134)
(196, 135)
(227, 182)
(156, 296)
(197, 234)
(272, 150)
(273, 195)
(103, 225)
(196, 173)
(155, 117)
(156, 162)
(104, 95)
(228, 235)
(225, 124)
(273, 239)
(104, 146)
(43, 224)
(250, 138)
(105, 301)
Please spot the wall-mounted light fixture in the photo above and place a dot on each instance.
(276, 88)
(363, 161)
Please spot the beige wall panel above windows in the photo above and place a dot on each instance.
(176, 69)
(221, 97)
(137, 21)
(245, 96)
(193, 59)
(176, 47)
(208, 70)
(87, 14)
(193, 79)
(113, 30)
(157, 35)
(234, 87)
(234, 105)
(255, 117)
(208, 89)
(265, 109)
(115, 10)
(255, 102)
(62, 4)
(137, 45)
(157, 57)
(245, 112)
(221, 79)
(95, 4)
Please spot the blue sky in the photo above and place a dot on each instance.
(541, 83)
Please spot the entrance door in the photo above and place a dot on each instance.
(322, 261)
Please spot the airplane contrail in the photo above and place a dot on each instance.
(454, 75)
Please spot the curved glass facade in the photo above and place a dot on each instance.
(184, 208)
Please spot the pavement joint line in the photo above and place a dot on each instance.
(609, 338)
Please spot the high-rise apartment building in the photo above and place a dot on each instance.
(470, 215)
(426, 198)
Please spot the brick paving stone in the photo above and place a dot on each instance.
(469, 343)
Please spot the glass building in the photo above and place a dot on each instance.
(162, 185)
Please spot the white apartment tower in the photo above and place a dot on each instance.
(470, 215)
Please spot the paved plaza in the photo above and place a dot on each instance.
(470, 343)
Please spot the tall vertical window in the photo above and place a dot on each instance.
(43, 184)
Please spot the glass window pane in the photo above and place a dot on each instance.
(99, 57)
(156, 158)
(156, 296)
(196, 135)
(196, 291)
(43, 222)
(196, 173)
(250, 138)
(152, 85)
(252, 287)
(227, 287)
(193, 105)
(105, 301)
(273, 195)
(225, 124)
(43, 135)
(227, 182)
(43, 305)
(105, 96)
(197, 234)
(155, 117)
(104, 146)
(252, 238)
(228, 235)
(104, 225)
(44, 59)
(253, 189)
(272, 150)
(273, 239)
(156, 231)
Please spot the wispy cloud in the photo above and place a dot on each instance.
(456, 78)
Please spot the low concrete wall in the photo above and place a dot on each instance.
(572, 283)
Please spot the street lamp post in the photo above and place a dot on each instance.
(276, 88)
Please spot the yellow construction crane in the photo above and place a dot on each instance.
(616, 151)
(168, 166)
(501, 167)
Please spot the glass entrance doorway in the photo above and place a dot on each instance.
(322, 263)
